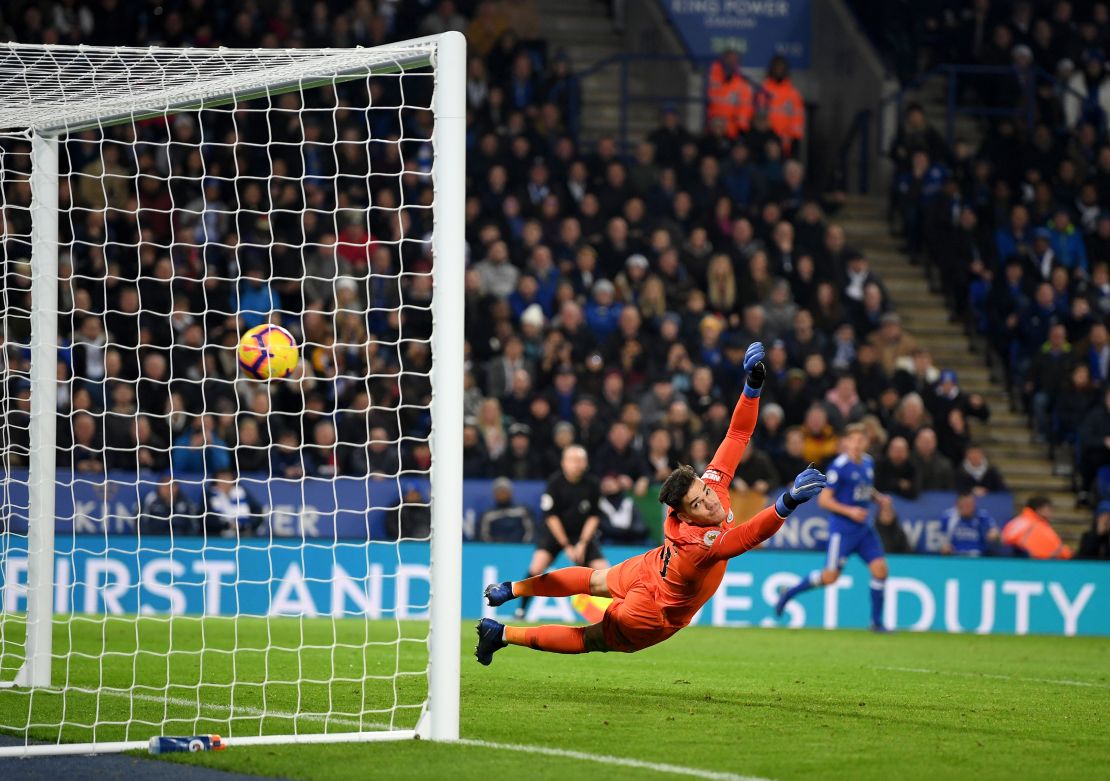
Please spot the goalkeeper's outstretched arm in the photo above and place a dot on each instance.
(744, 417)
(767, 522)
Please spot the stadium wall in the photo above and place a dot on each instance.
(351, 508)
(101, 575)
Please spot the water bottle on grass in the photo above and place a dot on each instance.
(166, 745)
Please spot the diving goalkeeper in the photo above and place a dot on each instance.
(658, 593)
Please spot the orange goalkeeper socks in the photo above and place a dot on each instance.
(564, 582)
(556, 639)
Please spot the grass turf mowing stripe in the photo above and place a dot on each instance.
(996, 677)
(605, 759)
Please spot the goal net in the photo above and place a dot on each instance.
(185, 549)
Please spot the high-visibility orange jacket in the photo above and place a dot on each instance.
(786, 114)
(730, 97)
(1034, 535)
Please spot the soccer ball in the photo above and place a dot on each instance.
(267, 352)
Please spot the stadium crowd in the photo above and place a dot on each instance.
(1016, 229)
(610, 294)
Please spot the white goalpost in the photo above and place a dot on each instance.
(184, 549)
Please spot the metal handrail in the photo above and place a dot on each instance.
(624, 59)
(858, 131)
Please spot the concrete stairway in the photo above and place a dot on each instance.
(1006, 438)
(582, 29)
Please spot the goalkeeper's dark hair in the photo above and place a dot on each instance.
(676, 486)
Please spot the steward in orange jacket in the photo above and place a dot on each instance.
(1031, 532)
(785, 110)
(729, 94)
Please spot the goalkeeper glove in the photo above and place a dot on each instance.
(807, 485)
(753, 365)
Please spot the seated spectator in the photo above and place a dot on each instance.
(619, 457)
(793, 453)
(506, 521)
(1031, 533)
(969, 530)
(843, 404)
(412, 520)
(476, 461)
(890, 530)
(977, 475)
(167, 510)
(522, 460)
(756, 472)
(230, 510)
(892, 342)
(896, 472)
(659, 455)
(621, 522)
(933, 470)
(820, 442)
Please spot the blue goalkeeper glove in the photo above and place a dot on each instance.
(806, 486)
(753, 365)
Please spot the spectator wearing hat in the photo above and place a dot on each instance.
(523, 461)
(506, 520)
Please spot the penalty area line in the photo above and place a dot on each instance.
(997, 677)
(605, 759)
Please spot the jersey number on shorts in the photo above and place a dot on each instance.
(667, 552)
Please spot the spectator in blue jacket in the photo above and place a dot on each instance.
(1014, 238)
(1067, 242)
(602, 312)
(970, 531)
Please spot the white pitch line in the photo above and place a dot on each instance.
(998, 677)
(605, 759)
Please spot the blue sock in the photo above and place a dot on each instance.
(813, 580)
(878, 592)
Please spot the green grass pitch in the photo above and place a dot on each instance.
(751, 702)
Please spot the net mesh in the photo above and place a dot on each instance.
(233, 555)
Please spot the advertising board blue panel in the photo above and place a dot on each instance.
(352, 508)
(320, 578)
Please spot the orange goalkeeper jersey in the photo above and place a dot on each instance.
(685, 571)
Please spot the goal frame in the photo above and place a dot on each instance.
(446, 54)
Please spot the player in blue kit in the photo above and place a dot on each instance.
(847, 499)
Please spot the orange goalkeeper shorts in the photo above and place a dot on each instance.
(633, 620)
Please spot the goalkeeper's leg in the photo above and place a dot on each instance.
(565, 582)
